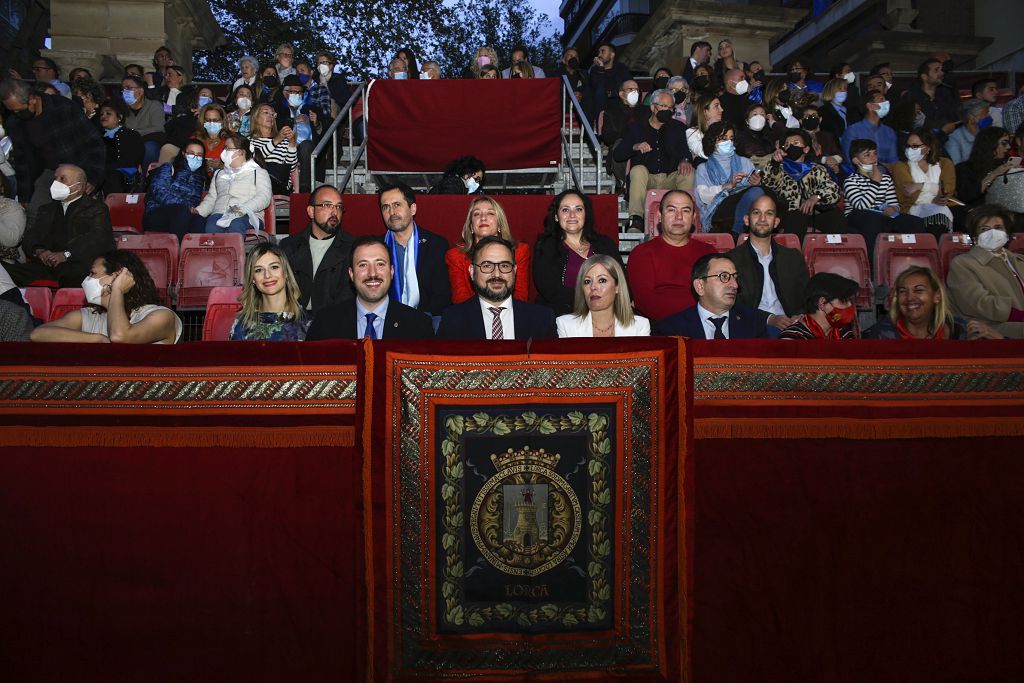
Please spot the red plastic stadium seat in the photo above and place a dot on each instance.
(845, 255)
(67, 300)
(159, 252)
(126, 211)
(894, 253)
(950, 246)
(40, 300)
(651, 202)
(1017, 243)
(208, 261)
(722, 241)
(221, 310)
(786, 239)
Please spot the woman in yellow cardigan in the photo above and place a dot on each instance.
(925, 182)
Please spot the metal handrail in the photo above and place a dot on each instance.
(331, 134)
(571, 106)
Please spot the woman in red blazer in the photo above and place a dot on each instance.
(485, 218)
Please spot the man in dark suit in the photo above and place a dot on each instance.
(700, 53)
(493, 271)
(372, 313)
(421, 276)
(716, 315)
(319, 254)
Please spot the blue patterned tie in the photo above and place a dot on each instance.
(371, 333)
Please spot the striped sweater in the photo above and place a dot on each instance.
(864, 193)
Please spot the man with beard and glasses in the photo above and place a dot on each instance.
(494, 313)
(372, 314)
(319, 254)
(771, 277)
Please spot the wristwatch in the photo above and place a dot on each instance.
(67, 254)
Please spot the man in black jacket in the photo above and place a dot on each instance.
(307, 119)
(69, 233)
(771, 276)
(661, 158)
(319, 254)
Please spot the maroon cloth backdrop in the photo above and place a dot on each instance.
(423, 125)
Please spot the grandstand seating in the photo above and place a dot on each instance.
(651, 202)
(845, 255)
(221, 309)
(786, 239)
(67, 300)
(894, 253)
(1017, 243)
(159, 252)
(208, 261)
(40, 300)
(951, 245)
(126, 211)
(722, 241)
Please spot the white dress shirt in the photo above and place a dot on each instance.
(508, 322)
(709, 327)
(769, 296)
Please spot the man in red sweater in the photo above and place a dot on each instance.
(659, 270)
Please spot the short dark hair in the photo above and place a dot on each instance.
(520, 48)
(702, 265)
(487, 241)
(134, 66)
(924, 66)
(984, 212)
(715, 131)
(608, 45)
(466, 165)
(364, 241)
(698, 45)
(50, 64)
(664, 198)
(802, 134)
(119, 107)
(978, 86)
(137, 80)
(876, 70)
(313, 195)
(861, 145)
(830, 286)
(410, 196)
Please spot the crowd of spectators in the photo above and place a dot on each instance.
(737, 151)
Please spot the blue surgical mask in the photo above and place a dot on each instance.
(985, 122)
(204, 100)
(725, 147)
(472, 185)
(839, 97)
(128, 96)
(294, 100)
(194, 162)
(303, 79)
(883, 109)
(212, 127)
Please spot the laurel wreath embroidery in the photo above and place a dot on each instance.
(600, 496)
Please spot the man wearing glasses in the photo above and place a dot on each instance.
(716, 314)
(319, 254)
(494, 314)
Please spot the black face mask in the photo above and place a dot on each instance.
(515, 76)
(811, 123)
(680, 96)
(573, 63)
(701, 82)
(270, 81)
(24, 114)
(665, 115)
(783, 98)
(794, 152)
(660, 82)
(795, 76)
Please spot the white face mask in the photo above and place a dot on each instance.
(93, 289)
(742, 87)
(400, 76)
(786, 112)
(993, 239)
(324, 69)
(757, 122)
(227, 156)
(632, 97)
(914, 154)
(867, 168)
(850, 77)
(59, 191)
(244, 103)
(425, 75)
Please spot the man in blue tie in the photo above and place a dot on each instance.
(372, 314)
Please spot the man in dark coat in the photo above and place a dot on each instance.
(319, 254)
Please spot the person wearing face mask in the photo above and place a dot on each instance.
(398, 70)
(976, 117)
(838, 111)
(727, 184)
(852, 101)
(777, 101)
(173, 189)
(700, 54)
(876, 108)
(270, 84)
(70, 231)
(680, 90)
(570, 67)
(617, 117)
(987, 283)
(239, 192)
(829, 311)
(212, 133)
(799, 73)
(704, 81)
(123, 307)
(240, 109)
(125, 151)
(735, 99)
(430, 71)
(659, 82)
(145, 116)
(752, 138)
(926, 182)
(52, 130)
(484, 56)
(308, 119)
(462, 176)
(808, 195)
(606, 76)
(824, 146)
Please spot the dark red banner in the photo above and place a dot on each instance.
(424, 125)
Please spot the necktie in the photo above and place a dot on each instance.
(371, 333)
(496, 330)
(718, 322)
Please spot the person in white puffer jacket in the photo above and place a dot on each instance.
(239, 193)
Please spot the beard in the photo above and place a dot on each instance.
(330, 226)
(496, 296)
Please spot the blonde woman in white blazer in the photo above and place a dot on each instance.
(239, 193)
(603, 307)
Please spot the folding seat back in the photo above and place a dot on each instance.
(208, 260)
(221, 310)
(67, 300)
(159, 252)
(894, 253)
(40, 300)
(651, 202)
(786, 239)
(126, 211)
(952, 245)
(1017, 243)
(845, 255)
(721, 241)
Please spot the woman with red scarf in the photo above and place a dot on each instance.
(829, 310)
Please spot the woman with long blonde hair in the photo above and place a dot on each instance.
(603, 307)
(485, 218)
(270, 299)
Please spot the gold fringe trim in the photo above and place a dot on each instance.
(849, 428)
(173, 437)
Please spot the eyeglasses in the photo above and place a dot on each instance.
(725, 277)
(488, 266)
(327, 206)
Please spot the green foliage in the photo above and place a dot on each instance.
(365, 36)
